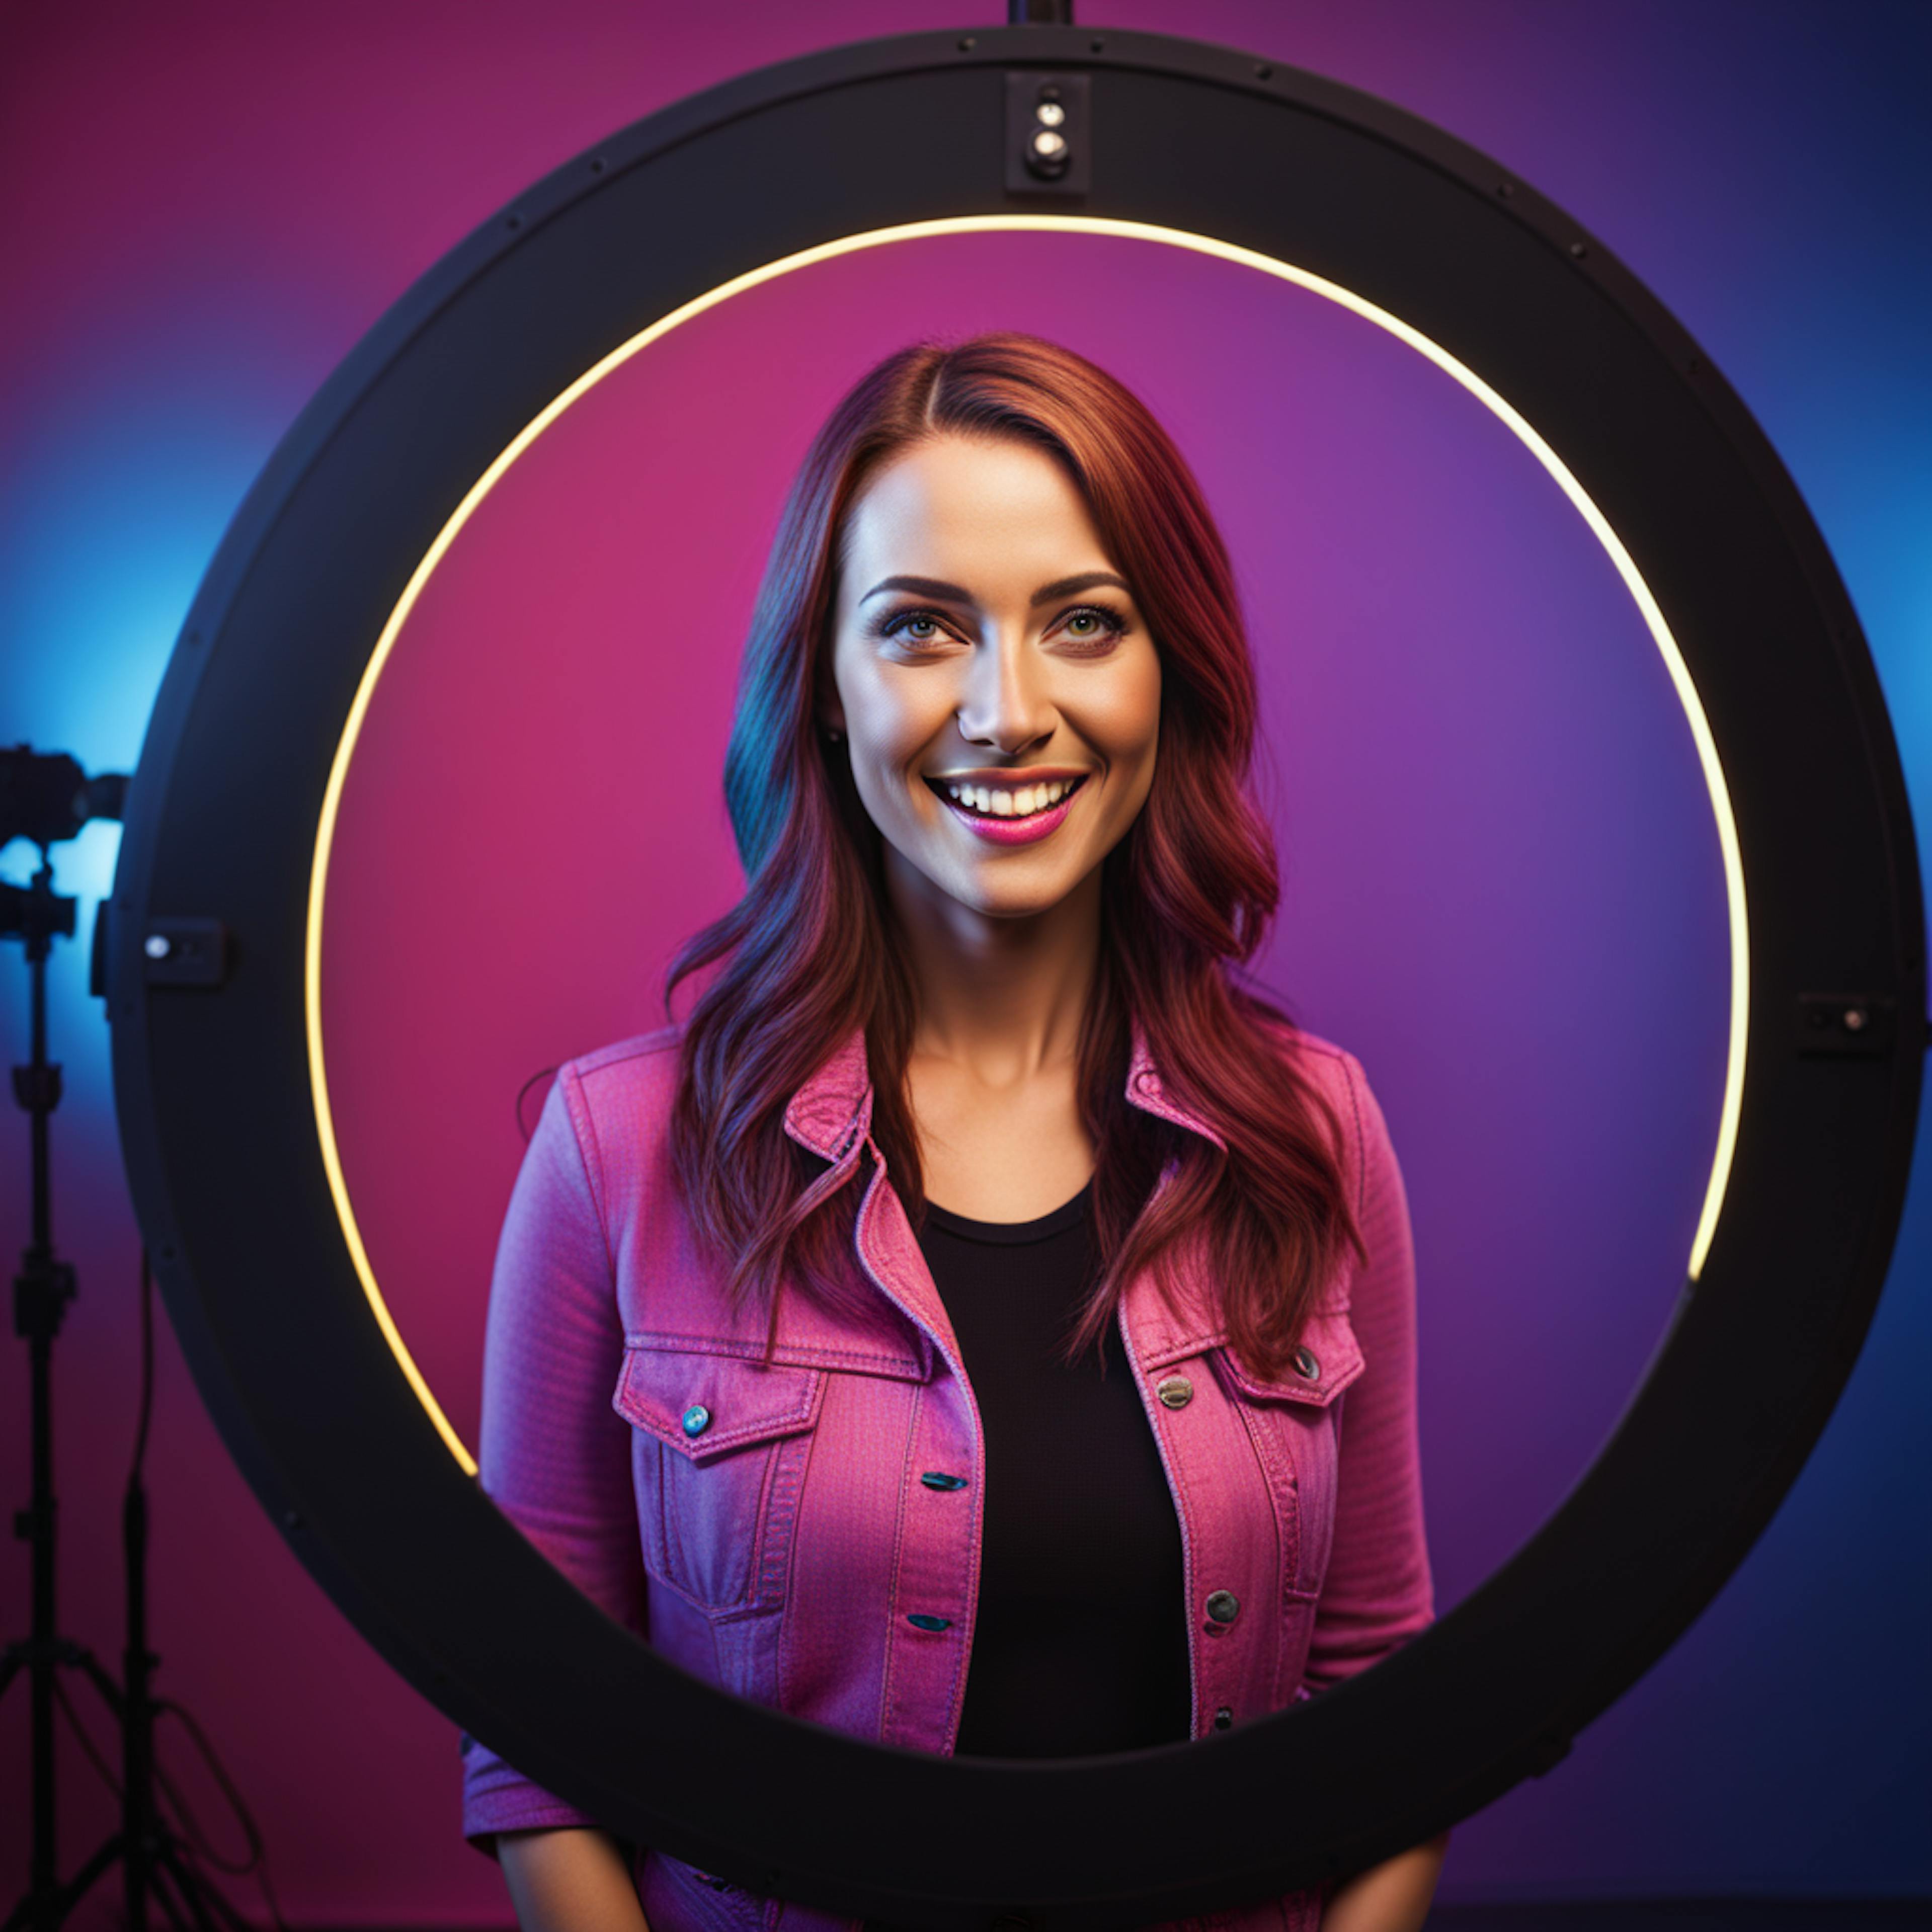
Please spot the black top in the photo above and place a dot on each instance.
(1080, 1642)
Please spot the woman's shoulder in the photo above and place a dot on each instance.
(1332, 1070)
(628, 1084)
(645, 1057)
(1337, 1077)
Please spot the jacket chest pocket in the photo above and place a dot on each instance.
(1293, 1420)
(718, 1462)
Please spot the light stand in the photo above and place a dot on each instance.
(47, 799)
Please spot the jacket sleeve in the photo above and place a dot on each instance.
(555, 1458)
(1377, 1593)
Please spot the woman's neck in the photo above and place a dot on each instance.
(1003, 997)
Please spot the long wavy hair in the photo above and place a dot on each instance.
(809, 952)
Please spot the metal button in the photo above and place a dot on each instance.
(937, 1479)
(1223, 1718)
(920, 1620)
(697, 1419)
(1306, 1366)
(1223, 1606)
(1176, 1391)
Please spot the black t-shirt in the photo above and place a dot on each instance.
(1079, 1641)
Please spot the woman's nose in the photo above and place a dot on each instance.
(1005, 706)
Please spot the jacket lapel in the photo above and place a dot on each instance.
(1155, 1334)
(831, 1116)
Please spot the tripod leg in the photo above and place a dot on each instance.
(164, 1879)
(58, 1909)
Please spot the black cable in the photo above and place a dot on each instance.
(542, 1073)
(88, 1746)
(190, 1824)
(194, 1841)
(257, 1860)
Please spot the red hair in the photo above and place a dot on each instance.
(1187, 896)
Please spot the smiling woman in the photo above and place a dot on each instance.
(865, 1461)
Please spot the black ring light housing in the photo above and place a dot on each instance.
(212, 1081)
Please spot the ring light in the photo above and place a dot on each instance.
(221, 1079)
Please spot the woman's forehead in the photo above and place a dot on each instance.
(988, 515)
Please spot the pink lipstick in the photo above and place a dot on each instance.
(1010, 831)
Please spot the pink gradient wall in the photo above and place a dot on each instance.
(1500, 885)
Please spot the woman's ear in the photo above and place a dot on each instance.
(831, 717)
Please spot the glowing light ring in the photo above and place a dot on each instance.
(979, 224)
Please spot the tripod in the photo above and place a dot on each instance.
(155, 1864)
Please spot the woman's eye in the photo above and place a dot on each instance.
(1091, 623)
(915, 627)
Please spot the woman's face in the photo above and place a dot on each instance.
(998, 691)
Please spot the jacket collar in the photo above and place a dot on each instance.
(831, 1113)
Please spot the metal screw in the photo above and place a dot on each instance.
(156, 946)
(1049, 114)
(1048, 145)
(1855, 1019)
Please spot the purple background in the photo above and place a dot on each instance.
(1502, 889)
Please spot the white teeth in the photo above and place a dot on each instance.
(997, 802)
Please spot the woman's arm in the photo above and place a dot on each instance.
(555, 1457)
(570, 1880)
(1376, 1594)
(1392, 1897)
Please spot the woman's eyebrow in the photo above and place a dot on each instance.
(954, 593)
(1071, 587)
(921, 587)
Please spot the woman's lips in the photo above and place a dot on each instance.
(1009, 831)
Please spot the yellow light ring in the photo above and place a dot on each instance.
(980, 224)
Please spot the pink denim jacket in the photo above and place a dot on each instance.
(767, 1530)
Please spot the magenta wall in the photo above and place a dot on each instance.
(1502, 881)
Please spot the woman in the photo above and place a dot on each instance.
(800, 1332)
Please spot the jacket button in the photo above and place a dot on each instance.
(1223, 1718)
(1223, 1606)
(920, 1620)
(697, 1419)
(937, 1479)
(1176, 1391)
(1306, 1366)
